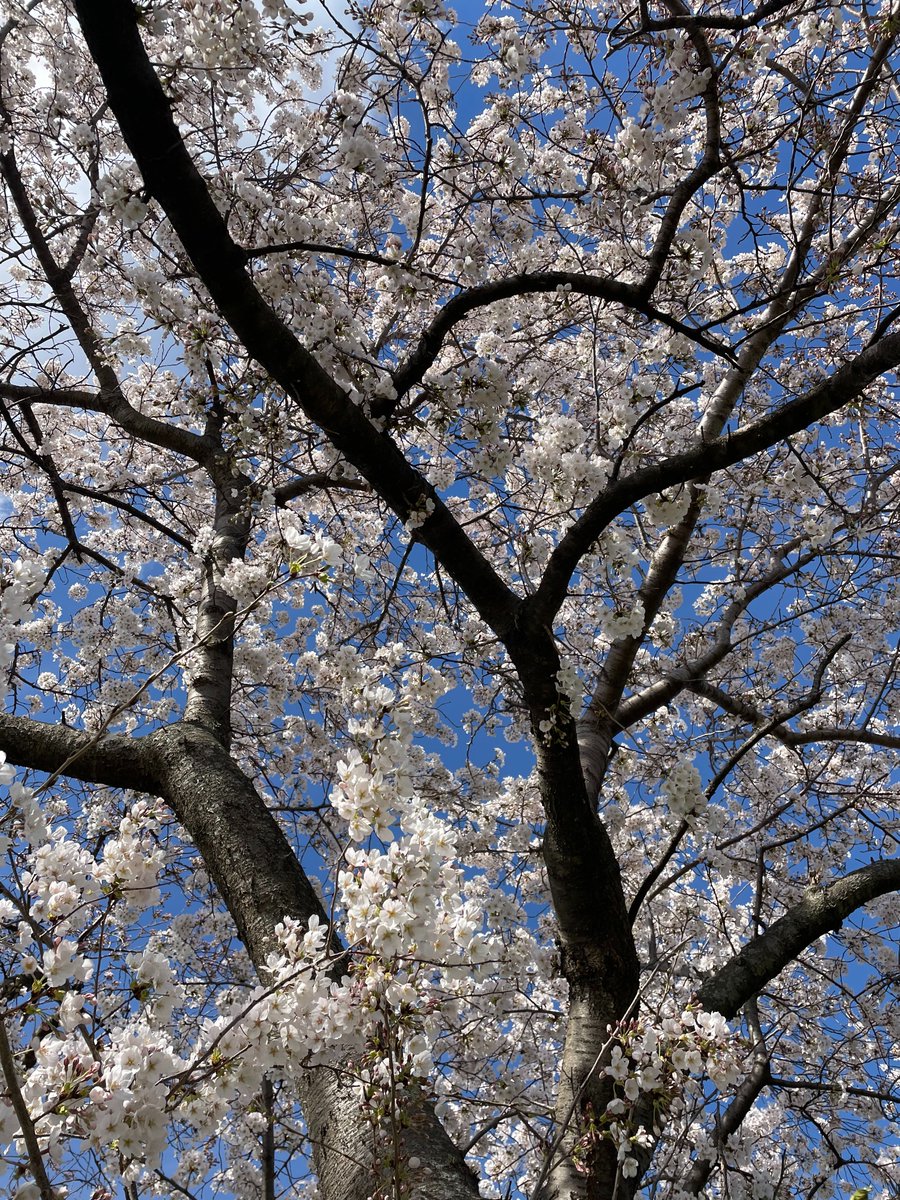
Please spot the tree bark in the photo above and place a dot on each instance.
(598, 956)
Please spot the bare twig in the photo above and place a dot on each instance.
(20, 1108)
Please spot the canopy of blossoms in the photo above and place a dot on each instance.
(448, 605)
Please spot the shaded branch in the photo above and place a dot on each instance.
(78, 489)
(59, 486)
(598, 725)
(26, 1124)
(688, 20)
(112, 396)
(804, 704)
(812, 1085)
(642, 703)
(821, 911)
(114, 761)
(431, 341)
(318, 479)
(710, 163)
(45, 463)
(350, 252)
(738, 707)
(113, 404)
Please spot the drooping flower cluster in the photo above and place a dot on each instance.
(406, 913)
(20, 582)
(658, 1067)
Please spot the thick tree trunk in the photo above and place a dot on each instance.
(598, 956)
(209, 693)
(600, 965)
(351, 1162)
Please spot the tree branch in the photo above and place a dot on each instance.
(739, 707)
(341, 252)
(248, 857)
(660, 692)
(26, 1125)
(430, 343)
(318, 479)
(113, 761)
(59, 486)
(116, 407)
(709, 165)
(112, 396)
(688, 20)
(819, 912)
(598, 725)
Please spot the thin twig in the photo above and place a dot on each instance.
(35, 1158)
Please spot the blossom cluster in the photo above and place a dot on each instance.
(404, 900)
(683, 789)
(21, 580)
(662, 1062)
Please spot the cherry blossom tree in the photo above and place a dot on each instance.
(449, 608)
